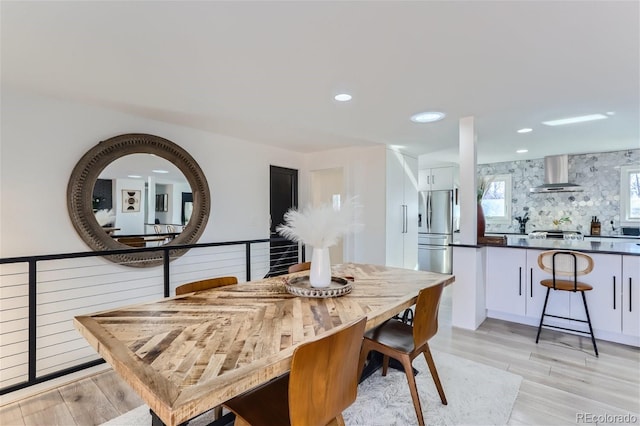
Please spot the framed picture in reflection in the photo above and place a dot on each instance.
(130, 201)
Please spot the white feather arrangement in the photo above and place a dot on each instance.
(105, 217)
(322, 227)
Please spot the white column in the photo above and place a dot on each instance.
(468, 299)
(468, 184)
(151, 200)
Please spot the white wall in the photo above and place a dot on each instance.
(42, 139)
(128, 222)
(365, 176)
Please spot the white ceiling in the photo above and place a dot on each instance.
(267, 71)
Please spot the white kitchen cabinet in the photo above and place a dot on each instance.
(514, 293)
(605, 300)
(437, 178)
(505, 278)
(631, 295)
(559, 301)
(513, 287)
(402, 211)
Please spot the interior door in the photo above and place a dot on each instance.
(283, 196)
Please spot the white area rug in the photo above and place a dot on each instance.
(477, 395)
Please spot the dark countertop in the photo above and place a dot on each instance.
(608, 247)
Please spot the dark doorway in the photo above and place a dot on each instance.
(283, 184)
(187, 207)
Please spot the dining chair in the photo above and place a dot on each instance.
(305, 266)
(404, 343)
(205, 284)
(157, 229)
(322, 383)
(570, 264)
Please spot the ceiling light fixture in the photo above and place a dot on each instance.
(134, 176)
(343, 97)
(573, 120)
(522, 151)
(427, 117)
(160, 171)
(525, 130)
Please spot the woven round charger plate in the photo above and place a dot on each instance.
(300, 286)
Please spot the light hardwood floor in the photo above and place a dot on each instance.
(562, 379)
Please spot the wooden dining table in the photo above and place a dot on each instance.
(185, 355)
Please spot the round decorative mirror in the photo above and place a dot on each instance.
(83, 205)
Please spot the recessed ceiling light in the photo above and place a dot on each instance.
(134, 176)
(610, 113)
(427, 117)
(572, 120)
(342, 97)
(525, 130)
(522, 151)
(397, 147)
(160, 171)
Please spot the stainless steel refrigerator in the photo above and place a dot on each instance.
(435, 231)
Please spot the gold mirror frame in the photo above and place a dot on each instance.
(86, 172)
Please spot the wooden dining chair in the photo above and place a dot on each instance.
(205, 284)
(404, 343)
(299, 267)
(322, 383)
(571, 264)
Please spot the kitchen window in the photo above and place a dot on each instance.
(496, 204)
(629, 195)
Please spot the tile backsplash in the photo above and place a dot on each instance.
(597, 173)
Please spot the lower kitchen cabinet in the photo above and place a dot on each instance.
(605, 300)
(631, 295)
(513, 288)
(514, 293)
(505, 280)
(559, 301)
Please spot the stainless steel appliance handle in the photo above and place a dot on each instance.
(429, 212)
(404, 219)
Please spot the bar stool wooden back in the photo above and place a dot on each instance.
(570, 265)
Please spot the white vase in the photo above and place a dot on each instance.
(320, 273)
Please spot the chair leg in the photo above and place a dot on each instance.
(408, 370)
(217, 412)
(434, 374)
(338, 421)
(544, 309)
(364, 351)
(385, 364)
(593, 339)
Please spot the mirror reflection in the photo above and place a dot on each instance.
(142, 200)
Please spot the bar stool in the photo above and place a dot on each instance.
(566, 263)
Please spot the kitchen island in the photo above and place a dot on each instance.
(508, 287)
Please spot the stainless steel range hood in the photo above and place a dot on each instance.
(556, 176)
